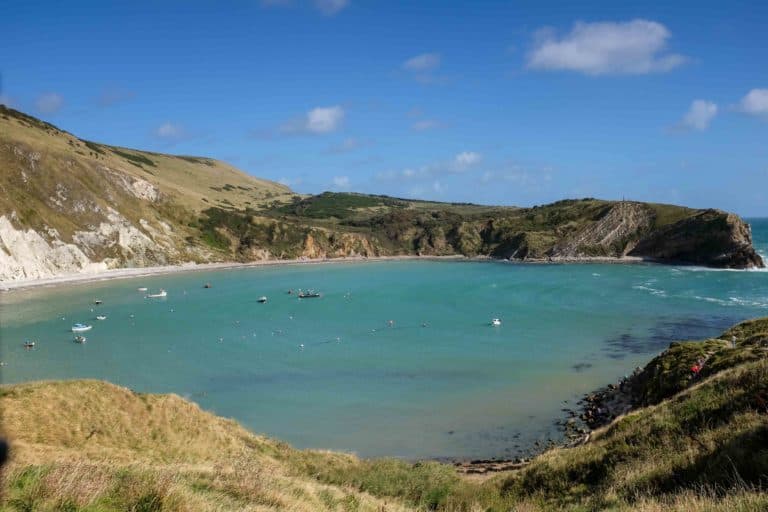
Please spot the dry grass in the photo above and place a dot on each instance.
(52, 180)
(185, 179)
(89, 445)
(93, 446)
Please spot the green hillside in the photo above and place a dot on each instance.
(70, 205)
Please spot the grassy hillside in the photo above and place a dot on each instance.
(68, 202)
(88, 445)
(571, 228)
(70, 205)
(701, 445)
(191, 182)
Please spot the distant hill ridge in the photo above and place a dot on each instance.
(72, 206)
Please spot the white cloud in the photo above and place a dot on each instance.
(319, 120)
(49, 103)
(755, 103)
(422, 63)
(632, 47)
(331, 7)
(169, 131)
(466, 159)
(699, 115)
(425, 124)
(459, 164)
(324, 119)
(341, 182)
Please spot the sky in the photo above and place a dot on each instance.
(492, 102)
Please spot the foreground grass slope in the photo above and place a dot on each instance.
(698, 444)
(89, 445)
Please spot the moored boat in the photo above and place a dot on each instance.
(309, 294)
(142, 288)
(101, 317)
(80, 339)
(496, 322)
(161, 293)
(29, 344)
(262, 299)
(81, 327)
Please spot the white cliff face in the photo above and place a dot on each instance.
(28, 254)
(119, 234)
(24, 254)
(144, 190)
(162, 236)
(136, 186)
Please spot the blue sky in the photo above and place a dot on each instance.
(493, 102)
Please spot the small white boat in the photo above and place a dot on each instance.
(81, 328)
(101, 317)
(142, 289)
(80, 339)
(262, 299)
(496, 322)
(160, 294)
(98, 302)
(29, 344)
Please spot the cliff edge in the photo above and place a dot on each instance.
(712, 237)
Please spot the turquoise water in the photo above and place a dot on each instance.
(440, 382)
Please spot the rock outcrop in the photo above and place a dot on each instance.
(614, 234)
(712, 237)
(26, 254)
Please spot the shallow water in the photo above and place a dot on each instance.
(440, 382)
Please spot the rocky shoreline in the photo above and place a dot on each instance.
(593, 411)
(134, 272)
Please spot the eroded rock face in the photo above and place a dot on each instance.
(319, 245)
(615, 234)
(25, 254)
(712, 237)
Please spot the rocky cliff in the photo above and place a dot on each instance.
(614, 234)
(710, 237)
(69, 205)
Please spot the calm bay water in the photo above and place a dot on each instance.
(440, 382)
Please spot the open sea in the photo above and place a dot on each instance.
(334, 373)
